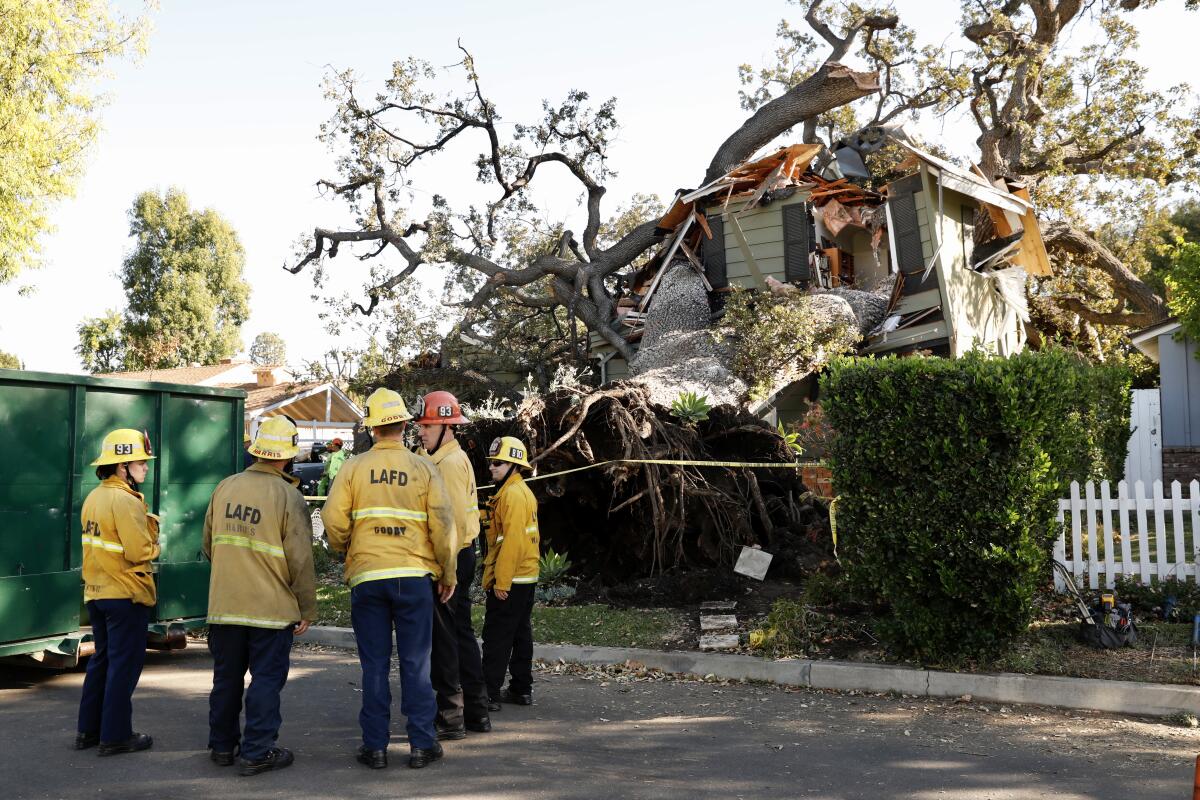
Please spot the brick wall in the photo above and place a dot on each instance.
(1180, 464)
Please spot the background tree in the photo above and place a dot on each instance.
(1183, 285)
(101, 345)
(1101, 151)
(268, 349)
(54, 54)
(1079, 124)
(9, 361)
(183, 280)
(483, 249)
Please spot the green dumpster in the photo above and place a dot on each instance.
(51, 426)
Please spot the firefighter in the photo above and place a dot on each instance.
(510, 574)
(456, 669)
(337, 457)
(389, 513)
(120, 540)
(262, 591)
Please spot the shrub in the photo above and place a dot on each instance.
(1149, 599)
(691, 407)
(553, 594)
(791, 629)
(552, 568)
(949, 473)
(777, 339)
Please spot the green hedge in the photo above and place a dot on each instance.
(949, 472)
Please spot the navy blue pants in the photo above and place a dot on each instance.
(402, 607)
(119, 632)
(266, 653)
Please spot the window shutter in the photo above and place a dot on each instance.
(796, 242)
(907, 235)
(712, 252)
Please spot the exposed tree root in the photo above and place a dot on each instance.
(624, 521)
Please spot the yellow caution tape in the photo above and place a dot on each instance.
(670, 462)
(833, 523)
(673, 462)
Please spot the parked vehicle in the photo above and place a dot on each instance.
(58, 421)
(309, 473)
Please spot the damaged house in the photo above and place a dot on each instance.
(935, 262)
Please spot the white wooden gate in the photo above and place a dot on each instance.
(1135, 533)
(1144, 459)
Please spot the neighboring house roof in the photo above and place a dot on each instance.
(1146, 340)
(301, 401)
(190, 376)
(224, 374)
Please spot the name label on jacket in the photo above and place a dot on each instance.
(243, 513)
(392, 477)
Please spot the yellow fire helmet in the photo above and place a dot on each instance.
(124, 444)
(385, 407)
(510, 449)
(277, 440)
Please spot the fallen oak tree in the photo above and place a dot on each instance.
(623, 521)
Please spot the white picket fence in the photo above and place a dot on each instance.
(1148, 536)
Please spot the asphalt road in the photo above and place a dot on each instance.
(596, 735)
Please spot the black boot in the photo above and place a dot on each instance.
(223, 758)
(450, 733)
(481, 725)
(509, 696)
(85, 740)
(276, 758)
(139, 741)
(375, 759)
(418, 758)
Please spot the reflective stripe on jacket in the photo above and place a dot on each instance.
(120, 539)
(258, 535)
(456, 470)
(512, 553)
(389, 513)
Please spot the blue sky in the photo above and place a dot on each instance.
(227, 102)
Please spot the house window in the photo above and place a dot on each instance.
(967, 233)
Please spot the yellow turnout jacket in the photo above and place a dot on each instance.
(389, 513)
(456, 470)
(513, 537)
(258, 535)
(120, 539)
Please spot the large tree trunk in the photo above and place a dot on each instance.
(1150, 308)
(830, 87)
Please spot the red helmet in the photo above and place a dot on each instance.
(439, 408)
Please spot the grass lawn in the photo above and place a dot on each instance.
(596, 625)
(1163, 654)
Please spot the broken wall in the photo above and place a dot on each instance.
(979, 317)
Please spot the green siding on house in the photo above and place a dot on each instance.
(763, 230)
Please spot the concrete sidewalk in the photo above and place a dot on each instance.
(1118, 697)
(592, 735)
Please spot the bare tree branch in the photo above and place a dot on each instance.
(1084, 311)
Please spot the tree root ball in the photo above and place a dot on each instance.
(620, 521)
